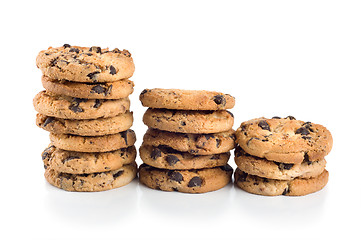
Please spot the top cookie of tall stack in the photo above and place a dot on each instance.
(81, 64)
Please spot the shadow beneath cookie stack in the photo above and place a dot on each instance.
(85, 107)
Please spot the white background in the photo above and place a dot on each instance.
(299, 58)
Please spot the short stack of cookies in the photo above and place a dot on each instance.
(281, 156)
(187, 145)
(85, 107)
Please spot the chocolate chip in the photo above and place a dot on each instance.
(98, 103)
(75, 108)
(156, 153)
(264, 125)
(215, 157)
(302, 131)
(144, 91)
(230, 113)
(286, 191)
(92, 75)
(175, 176)
(219, 100)
(116, 175)
(48, 120)
(171, 159)
(74, 50)
(116, 50)
(291, 118)
(284, 166)
(98, 89)
(242, 177)
(306, 159)
(218, 143)
(175, 189)
(276, 117)
(183, 123)
(95, 49)
(226, 168)
(195, 182)
(109, 90)
(69, 158)
(125, 136)
(53, 62)
(112, 70)
(46, 152)
(66, 45)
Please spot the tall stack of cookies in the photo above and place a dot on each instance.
(85, 107)
(188, 143)
(281, 156)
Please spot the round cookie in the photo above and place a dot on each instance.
(272, 187)
(81, 162)
(86, 127)
(188, 121)
(168, 158)
(274, 170)
(113, 90)
(187, 181)
(78, 108)
(82, 64)
(93, 144)
(92, 182)
(199, 144)
(284, 139)
(186, 99)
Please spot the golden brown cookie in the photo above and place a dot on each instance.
(186, 99)
(93, 144)
(199, 144)
(188, 121)
(113, 90)
(81, 162)
(186, 181)
(168, 158)
(86, 127)
(272, 187)
(92, 182)
(284, 139)
(83, 64)
(78, 108)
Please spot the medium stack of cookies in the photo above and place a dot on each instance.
(281, 156)
(187, 145)
(85, 107)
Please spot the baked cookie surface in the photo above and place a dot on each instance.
(186, 99)
(113, 90)
(187, 181)
(284, 139)
(272, 187)
(104, 143)
(78, 108)
(86, 127)
(189, 121)
(83, 64)
(275, 170)
(92, 182)
(81, 162)
(199, 144)
(168, 158)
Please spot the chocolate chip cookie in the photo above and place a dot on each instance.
(168, 158)
(113, 90)
(82, 64)
(188, 121)
(93, 144)
(272, 187)
(186, 99)
(187, 181)
(284, 140)
(61, 106)
(199, 144)
(275, 170)
(92, 182)
(81, 162)
(86, 127)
